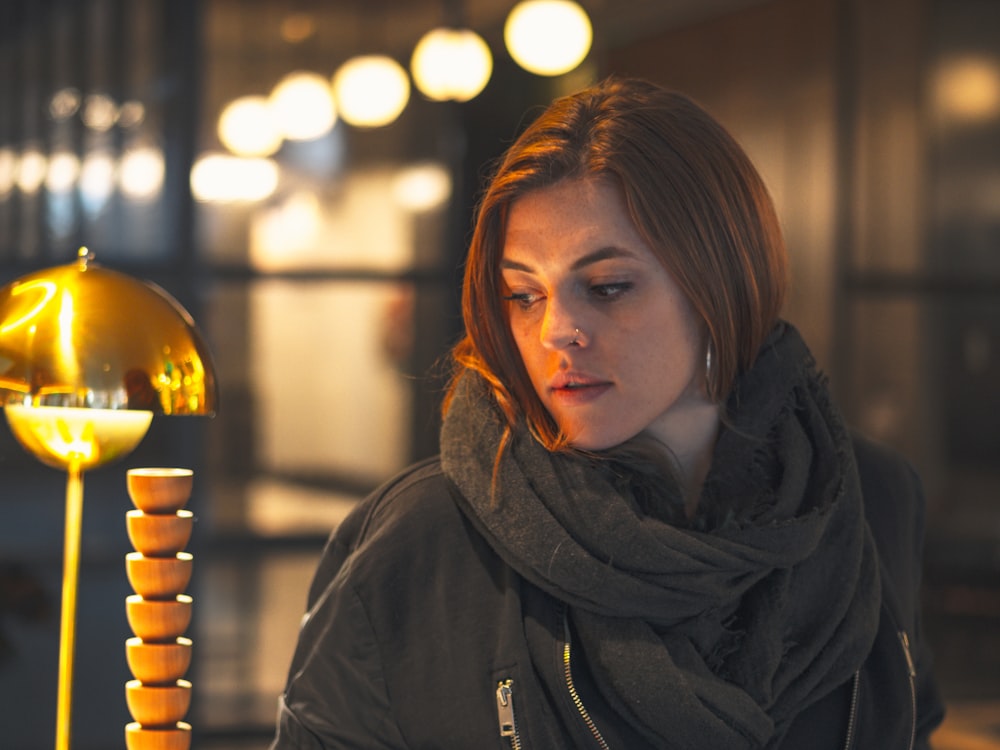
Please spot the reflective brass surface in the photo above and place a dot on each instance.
(80, 335)
(60, 436)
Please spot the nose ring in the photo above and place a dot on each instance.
(576, 336)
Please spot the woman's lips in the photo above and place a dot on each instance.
(572, 393)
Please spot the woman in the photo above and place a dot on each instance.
(648, 527)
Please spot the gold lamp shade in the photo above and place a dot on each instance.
(80, 335)
(89, 355)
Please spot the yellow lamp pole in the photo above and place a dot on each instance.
(67, 624)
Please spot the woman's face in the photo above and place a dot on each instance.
(610, 343)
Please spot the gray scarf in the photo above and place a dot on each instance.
(714, 634)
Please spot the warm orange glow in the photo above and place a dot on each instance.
(297, 27)
(30, 307)
(58, 435)
(969, 88)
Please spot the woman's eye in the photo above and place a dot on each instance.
(524, 300)
(610, 291)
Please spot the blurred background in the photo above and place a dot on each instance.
(216, 147)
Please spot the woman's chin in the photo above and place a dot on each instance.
(592, 442)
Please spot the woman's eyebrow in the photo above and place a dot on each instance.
(604, 253)
(513, 265)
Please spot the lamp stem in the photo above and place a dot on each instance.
(67, 627)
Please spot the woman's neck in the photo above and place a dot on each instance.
(692, 443)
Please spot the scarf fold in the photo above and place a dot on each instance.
(711, 635)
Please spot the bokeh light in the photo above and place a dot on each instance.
(63, 172)
(141, 173)
(371, 90)
(31, 170)
(247, 127)
(302, 106)
(968, 88)
(451, 64)
(548, 37)
(422, 187)
(221, 178)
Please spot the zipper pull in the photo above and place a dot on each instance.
(905, 640)
(505, 708)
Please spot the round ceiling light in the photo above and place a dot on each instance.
(371, 90)
(303, 106)
(548, 37)
(247, 127)
(451, 64)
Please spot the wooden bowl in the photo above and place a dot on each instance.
(156, 490)
(159, 533)
(176, 737)
(158, 663)
(158, 705)
(158, 619)
(159, 577)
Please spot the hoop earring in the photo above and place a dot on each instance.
(708, 362)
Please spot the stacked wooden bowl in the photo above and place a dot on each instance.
(159, 611)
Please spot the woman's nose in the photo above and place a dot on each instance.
(560, 328)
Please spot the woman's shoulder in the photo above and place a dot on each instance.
(411, 524)
(883, 468)
(894, 508)
(892, 491)
(409, 558)
(419, 494)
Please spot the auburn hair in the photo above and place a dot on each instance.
(693, 195)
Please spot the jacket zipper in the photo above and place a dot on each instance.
(505, 713)
(905, 642)
(568, 672)
(852, 716)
